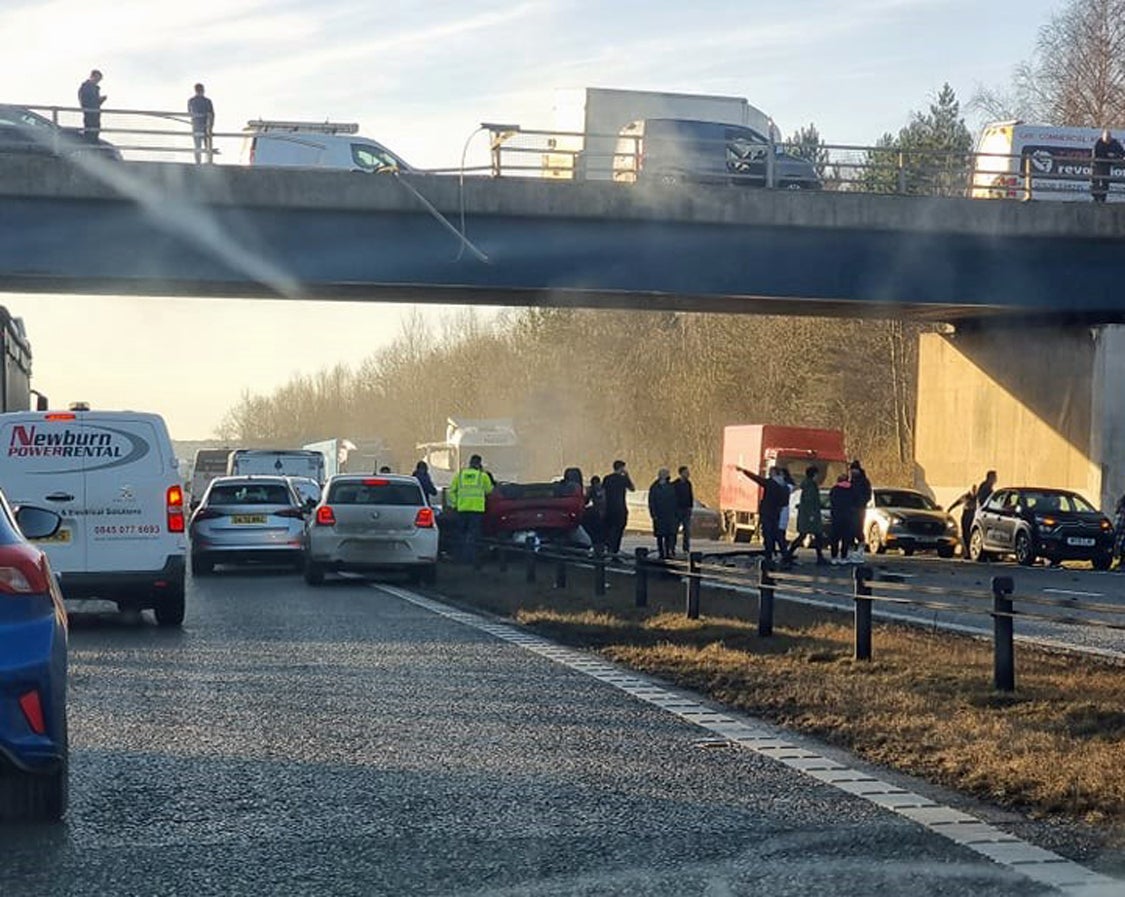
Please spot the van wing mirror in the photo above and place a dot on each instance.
(41, 403)
(37, 523)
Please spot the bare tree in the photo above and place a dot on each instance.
(1076, 75)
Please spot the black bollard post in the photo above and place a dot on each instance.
(599, 571)
(640, 581)
(1004, 652)
(695, 559)
(560, 573)
(529, 551)
(862, 613)
(766, 585)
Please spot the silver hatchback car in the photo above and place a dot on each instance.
(369, 523)
(247, 519)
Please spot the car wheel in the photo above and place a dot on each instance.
(793, 185)
(170, 611)
(875, 540)
(26, 797)
(908, 551)
(1025, 557)
(976, 546)
(314, 574)
(670, 177)
(1103, 560)
(945, 551)
(201, 566)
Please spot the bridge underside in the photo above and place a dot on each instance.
(379, 243)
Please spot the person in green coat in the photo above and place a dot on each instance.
(809, 522)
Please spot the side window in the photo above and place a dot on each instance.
(1011, 501)
(370, 158)
(995, 502)
(743, 148)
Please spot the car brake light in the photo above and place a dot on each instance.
(424, 519)
(289, 512)
(32, 709)
(60, 415)
(175, 509)
(373, 481)
(20, 571)
(325, 516)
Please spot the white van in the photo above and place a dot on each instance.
(300, 144)
(114, 478)
(1059, 158)
(277, 462)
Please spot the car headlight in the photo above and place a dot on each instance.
(950, 525)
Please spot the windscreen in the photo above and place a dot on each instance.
(894, 498)
(250, 494)
(389, 493)
(1056, 502)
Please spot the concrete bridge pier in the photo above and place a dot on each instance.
(1042, 406)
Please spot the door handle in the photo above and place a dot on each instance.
(60, 496)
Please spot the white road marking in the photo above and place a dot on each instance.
(1075, 593)
(1035, 863)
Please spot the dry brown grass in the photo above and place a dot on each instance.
(924, 706)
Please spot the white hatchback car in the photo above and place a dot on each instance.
(369, 523)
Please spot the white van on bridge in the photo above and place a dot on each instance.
(304, 144)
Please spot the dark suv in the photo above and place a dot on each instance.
(24, 131)
(1029, 523)
(673, 150)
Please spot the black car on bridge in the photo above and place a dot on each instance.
(25, 131)
(1030, 522)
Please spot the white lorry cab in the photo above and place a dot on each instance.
(277, 462)
(114, 479)
(299, 144)
(1059, 161)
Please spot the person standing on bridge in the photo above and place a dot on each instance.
(663, 511)
(986, 488)
(685, 503)
(202, 114)
(968, 503)
(809, 524)
(616, 485)
(467, 496)
(842, 506)
(775, 496)
(1107, 150)
(861, 495)
(90, 99)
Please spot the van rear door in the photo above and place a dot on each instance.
(42, 464)
(128, 477)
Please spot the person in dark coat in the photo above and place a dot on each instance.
(616, 485)
(90, 99)
(809, 524)
(775, 496)
(842, 505)
(202, 113)
(986, 488)
(1107, 150)
(861, 495)
(685, 503)
(662, 509)
(422, 475)
(593, 517)
(968, 503)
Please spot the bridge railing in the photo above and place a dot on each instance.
(160, 135)
(730, 571)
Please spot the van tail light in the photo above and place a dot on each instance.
(289, 512)
(325, 516)
(175, 509)
(32, 708)
(424, 519)
(21, 572)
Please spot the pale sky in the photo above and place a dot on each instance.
(420, 76)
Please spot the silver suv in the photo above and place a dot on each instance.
(369, 523)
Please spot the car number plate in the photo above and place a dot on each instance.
(246, 519)
(1082, 543)
(62, 537)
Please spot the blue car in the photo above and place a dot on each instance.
(33, 632)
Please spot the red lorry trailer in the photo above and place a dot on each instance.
(759, 447)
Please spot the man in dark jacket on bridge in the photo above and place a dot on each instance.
(615, 486)
(685, 502)
(775, 496)
(90, 99)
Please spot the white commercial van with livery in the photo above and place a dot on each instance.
(1057, 160)
(114, 479)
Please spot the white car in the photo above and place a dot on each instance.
(369, 523)
(114, 479)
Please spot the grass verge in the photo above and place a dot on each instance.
(924, 706)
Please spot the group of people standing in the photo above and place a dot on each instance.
(848, 500)
(199, 107)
